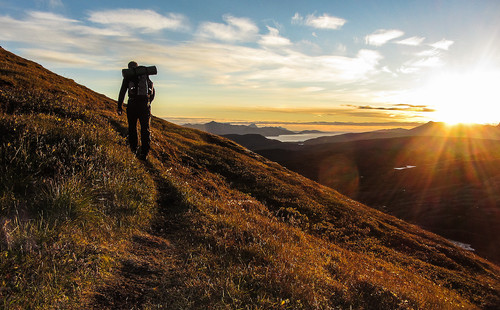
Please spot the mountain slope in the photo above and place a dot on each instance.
(451, 188)
(430, 129)
(204, 224)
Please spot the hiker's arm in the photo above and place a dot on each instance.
(121, 96)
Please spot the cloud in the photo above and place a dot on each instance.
(443, 44)
(145, 20)
(299, 67)
(397, 107)
(372, 117)
(53, 31)
(429, 53)
(427, 59)
(413, 41)
(273, 39)
(297, 19)
(325, 22)
(381, 124)
(429, 62)
(251, 67)
(418, 65)
(382, 36)
(320, 22)
(71, 60)
(236, 29)
(50, 17)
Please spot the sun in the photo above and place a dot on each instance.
(467, 97)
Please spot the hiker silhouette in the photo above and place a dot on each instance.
(140, 95)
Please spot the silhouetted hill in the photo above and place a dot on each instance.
(378, 134)
(435, 129)
(460, 131)
(227, 129)
(204, 224)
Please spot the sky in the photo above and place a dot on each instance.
(329, 65)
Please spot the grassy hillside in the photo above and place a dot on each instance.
(452, 189)
(204, 224)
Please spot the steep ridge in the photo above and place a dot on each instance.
(205, 223)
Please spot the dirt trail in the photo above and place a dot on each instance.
(152, 273)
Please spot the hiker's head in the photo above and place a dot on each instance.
(132, 64)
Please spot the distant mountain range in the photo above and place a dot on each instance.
(431, 129)
(435, 129)
(227, 129)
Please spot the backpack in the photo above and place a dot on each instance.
(139, 82)
(138, 86)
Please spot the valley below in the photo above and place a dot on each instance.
(448, 185)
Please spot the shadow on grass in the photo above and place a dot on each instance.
(119, 127)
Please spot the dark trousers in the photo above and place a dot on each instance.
(139, 109)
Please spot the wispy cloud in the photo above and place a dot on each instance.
(367, 124)
(443, 44)
(428, 53)
(71, 60)
(324, 21)
(273, 39)
(49, 17)
(342, 112)
(417, 65)
(382, 36)
(236, 29)
(145, 20)
(55, 32)
(413, 41)
(299, 67)
(398, 107)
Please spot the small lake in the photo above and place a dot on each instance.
(406, 167)
(303, 137)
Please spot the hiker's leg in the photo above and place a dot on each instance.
(145, 120)
(132, 126)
